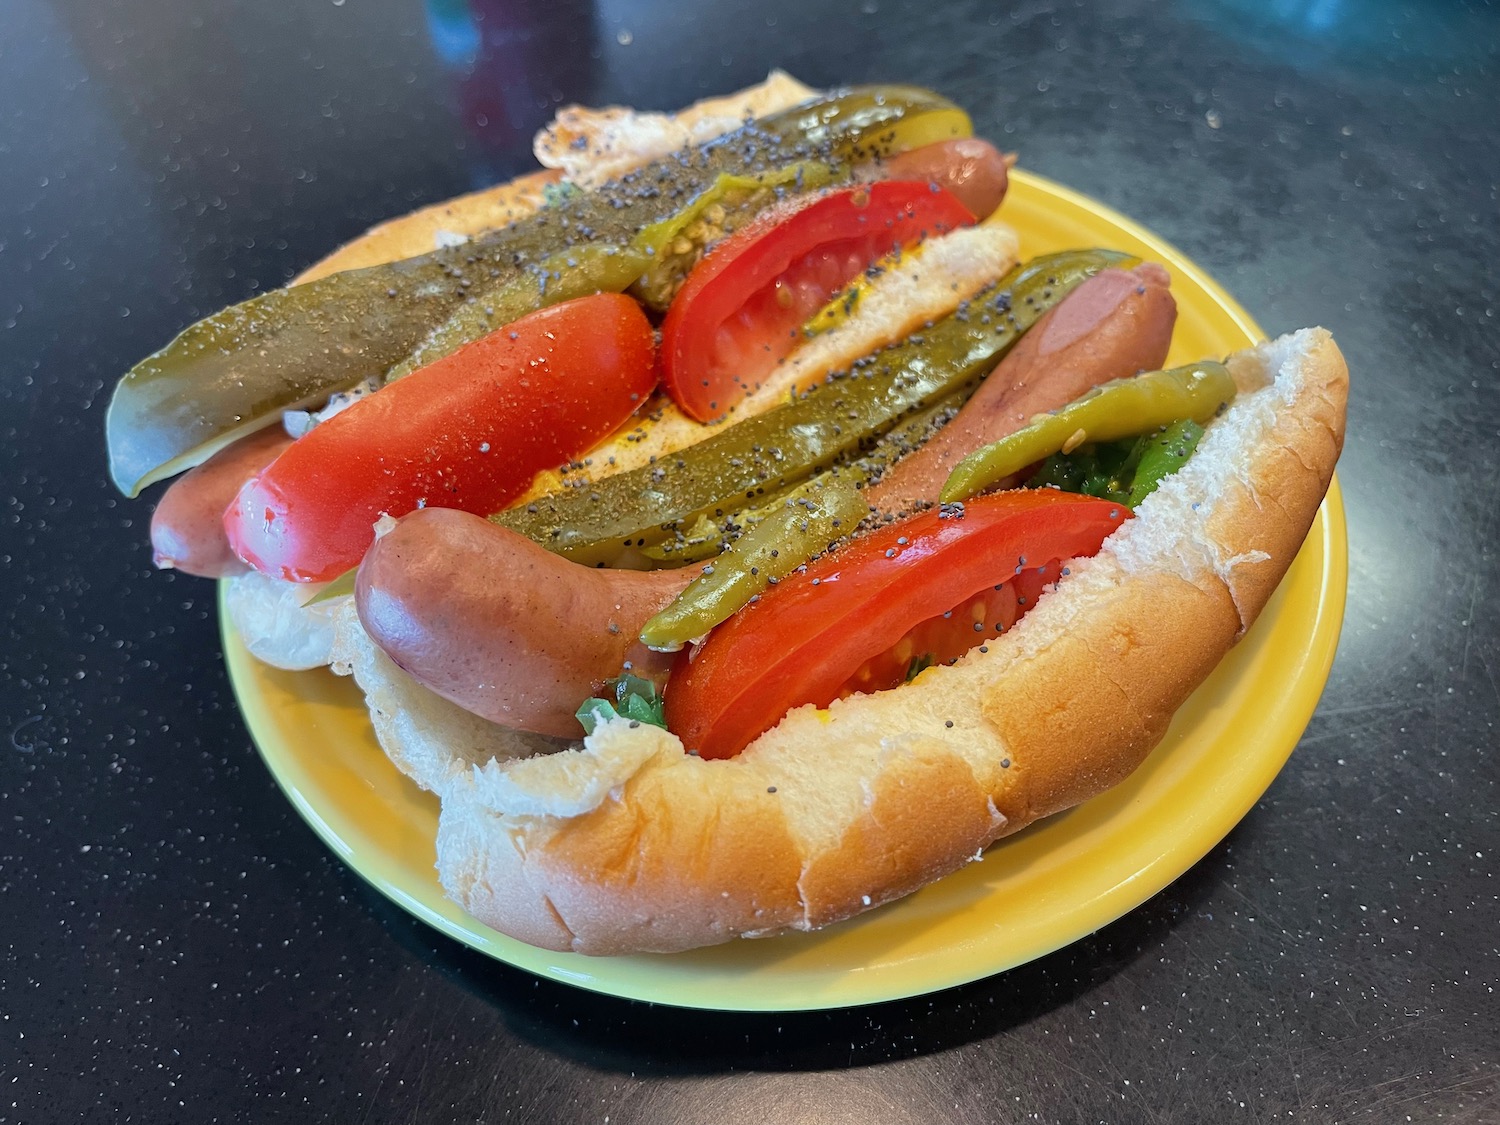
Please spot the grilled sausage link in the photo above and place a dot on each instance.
(971, 168)
(502, 627)
(187, 528)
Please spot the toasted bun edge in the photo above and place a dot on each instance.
(832, 813)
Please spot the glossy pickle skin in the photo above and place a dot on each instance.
(804, 523)
(743, 467)
(233, 372)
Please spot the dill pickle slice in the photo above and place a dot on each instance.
(601, 522)
(705, 538)
(802, 524)
(233, 372)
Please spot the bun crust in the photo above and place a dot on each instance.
(629, 844)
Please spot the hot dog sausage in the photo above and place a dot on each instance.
(505, 629)
(1113, 325)
(187, 528)
(972, 169)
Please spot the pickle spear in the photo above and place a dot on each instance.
(707, 538)
(742, 467)
(288, 349)
(799, 526)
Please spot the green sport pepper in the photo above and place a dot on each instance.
(1114, 410)
(233, 372)
(1123, 471)
(741, 467)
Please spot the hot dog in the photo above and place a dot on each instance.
(187, 527)
(971, 168)
(505, 629)
(577, 850)
(629, 843)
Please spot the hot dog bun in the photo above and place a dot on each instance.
(627, 843)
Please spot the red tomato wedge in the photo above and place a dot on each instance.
(854, 612)
(739, 311)
(469, 431)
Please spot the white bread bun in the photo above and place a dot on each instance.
(628, 844)
(591, 146)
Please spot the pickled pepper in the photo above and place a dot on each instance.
(802, 524)
(1118, 409)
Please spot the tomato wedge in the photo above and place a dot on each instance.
(469, 431)
(738, 313)
(852, 613)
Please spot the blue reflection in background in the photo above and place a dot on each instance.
(1362, 32)
(513, 62)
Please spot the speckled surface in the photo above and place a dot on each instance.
(177, 946)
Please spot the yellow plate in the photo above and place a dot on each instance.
(1032, 893)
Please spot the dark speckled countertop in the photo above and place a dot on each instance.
(176, 945)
